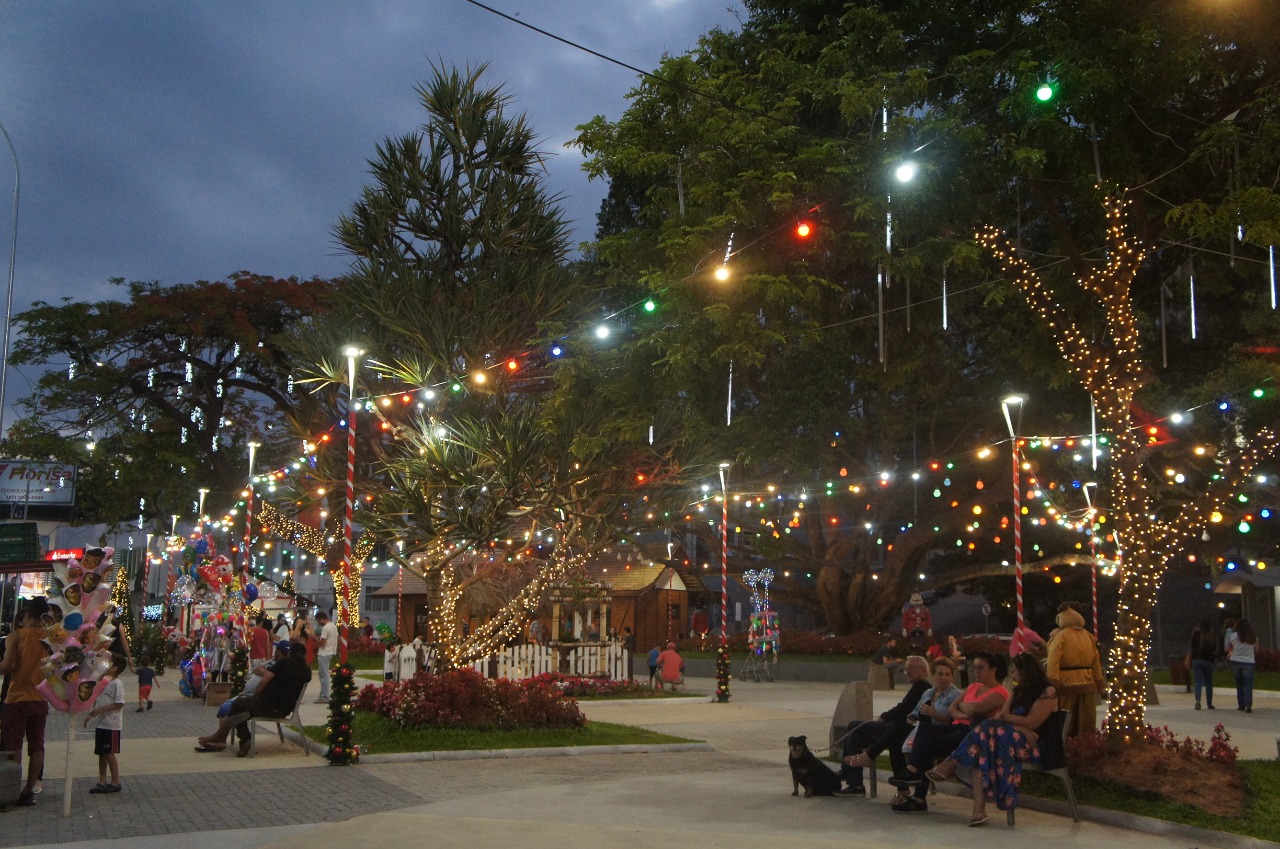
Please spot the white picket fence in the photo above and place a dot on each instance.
(515, 663)
(518, 662)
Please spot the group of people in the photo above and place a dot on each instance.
(1237, 644)
(981, 734)
(26, 711)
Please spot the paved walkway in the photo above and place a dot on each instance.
(736, 795)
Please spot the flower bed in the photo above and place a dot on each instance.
(578, 687)
(462, 698)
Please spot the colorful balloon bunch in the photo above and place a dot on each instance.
(78, 645)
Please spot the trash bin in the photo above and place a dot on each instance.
(1179, 674)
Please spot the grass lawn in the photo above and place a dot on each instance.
(377, 735)
(1224, 683)
(1260, 819)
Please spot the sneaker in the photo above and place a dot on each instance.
(1197, 706)
(1211, 707)
(139, 710)
(907, 781)
(1248, 708)
(113, 788)
(246, 744)
(852, 790)
(150, 704)
(26, 799)
(322, 701)
(38, 788)
(913, 805)
(99, 788)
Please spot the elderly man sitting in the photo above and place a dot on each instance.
(866, 740)
(282, 682)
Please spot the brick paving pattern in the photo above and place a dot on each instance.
(200, 802)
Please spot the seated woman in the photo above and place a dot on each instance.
(983, 698)
(994, 751)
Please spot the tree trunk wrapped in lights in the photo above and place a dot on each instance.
(1112, 372)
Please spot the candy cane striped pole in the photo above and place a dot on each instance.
(345, 613)
(724, 556)
(1017, 534)
(1017, 502)
(248, 512)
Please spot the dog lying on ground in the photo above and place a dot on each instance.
(808, 772)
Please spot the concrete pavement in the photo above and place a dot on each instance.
(737, 794)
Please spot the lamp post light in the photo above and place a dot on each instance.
(8, 303)
(1016, 400)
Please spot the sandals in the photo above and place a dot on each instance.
(978, 822)
(936, 777)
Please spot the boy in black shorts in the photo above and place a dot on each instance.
(108, 720)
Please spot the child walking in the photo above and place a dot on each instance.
(146, 680)
(108, 719)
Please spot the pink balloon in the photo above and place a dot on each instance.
(51, 697)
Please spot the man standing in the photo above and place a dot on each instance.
(324, 654)
(259, 641)
(868, 739)
(25, 710)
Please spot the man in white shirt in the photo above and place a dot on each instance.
(324, 653)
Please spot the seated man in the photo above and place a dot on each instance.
(275, 696)
(868, 739)
(884, 656)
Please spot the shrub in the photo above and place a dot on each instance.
(462, 698)
(1092, 745)
(577, 686)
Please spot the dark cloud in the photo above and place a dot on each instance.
(179, 141)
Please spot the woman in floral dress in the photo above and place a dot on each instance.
(995, 749)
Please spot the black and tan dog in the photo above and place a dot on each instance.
(808, 772)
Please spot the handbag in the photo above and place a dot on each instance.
(1186, 661)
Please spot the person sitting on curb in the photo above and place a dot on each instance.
(884, 656)
(670, 666)
(275, 697)
(867, 739)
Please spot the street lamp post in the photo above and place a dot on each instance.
(8, 304)
(1017, 400)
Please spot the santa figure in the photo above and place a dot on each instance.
(917, 622)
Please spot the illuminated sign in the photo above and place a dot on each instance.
(64, 554)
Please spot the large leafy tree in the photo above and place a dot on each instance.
(801, 114)
(156, 393)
